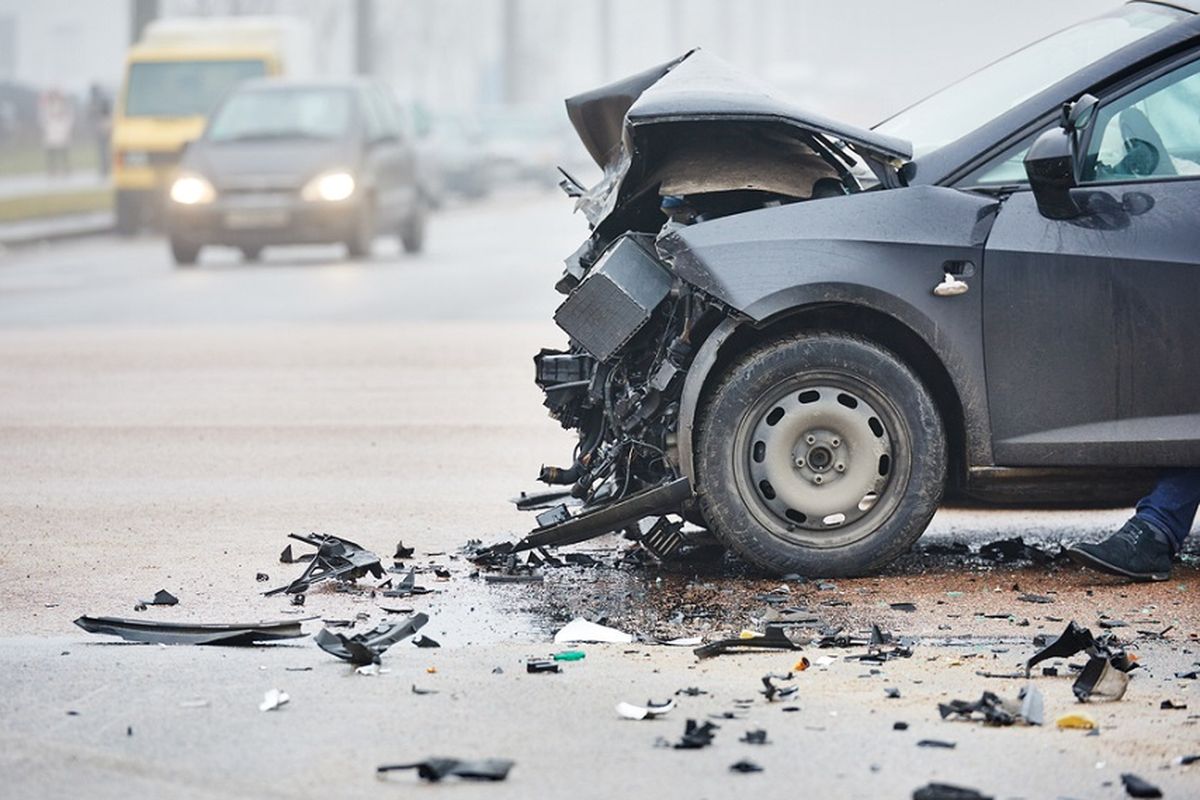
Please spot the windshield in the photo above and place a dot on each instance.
(300, 113)
(981, 97)
(183, 88)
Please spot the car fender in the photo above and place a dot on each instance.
(882, 252)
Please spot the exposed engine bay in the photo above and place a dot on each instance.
(634, 326)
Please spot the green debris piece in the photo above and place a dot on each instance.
(570, 655)
(954, 594)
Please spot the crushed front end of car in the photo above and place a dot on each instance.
(680, 144)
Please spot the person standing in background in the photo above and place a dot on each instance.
(57, 119)
(100, 118)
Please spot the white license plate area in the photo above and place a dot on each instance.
(256, 218)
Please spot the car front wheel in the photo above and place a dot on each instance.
(821, 454)
(184, 252)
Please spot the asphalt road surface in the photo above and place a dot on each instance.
(165, 428)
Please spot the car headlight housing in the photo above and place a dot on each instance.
(330, 187)
(190, 189)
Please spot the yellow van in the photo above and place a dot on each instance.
(174, 76)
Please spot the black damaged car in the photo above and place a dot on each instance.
(803, 335)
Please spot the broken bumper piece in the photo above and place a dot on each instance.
(335, 558)
(366, 648)
(136, 630)
(665, 499)
(435, 769)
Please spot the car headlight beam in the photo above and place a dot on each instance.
(331, 187)
(190, 190)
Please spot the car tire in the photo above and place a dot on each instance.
(412, 230)
(184, 252)
(821, 454)
(251, 254)
(363, 235)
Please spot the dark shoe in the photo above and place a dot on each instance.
(1136, 551)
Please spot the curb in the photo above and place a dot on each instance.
(24, 234)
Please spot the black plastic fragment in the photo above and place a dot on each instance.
(425, 641)
(937, 743)
(773, 638)
(402, 552)
(1138, 787)
(758, 736)
(1035, 598)
(773, 692)
(161, 598)
(406, 586)
(435, 769)
(947, 791)
(366, 648)
(696, 736)
(903, 606)
(534, 665)
(335, 558)
(1171, 705)
(136, 630)
(745, 767)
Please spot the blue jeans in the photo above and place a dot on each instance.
(1171, 506)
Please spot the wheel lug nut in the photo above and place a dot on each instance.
(810, 439)
(799, 462)
(818, 479)
(840, 467)
(836, 442)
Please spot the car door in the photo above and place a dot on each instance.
(1091, 339)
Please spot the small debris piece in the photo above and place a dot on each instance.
(891, 693)
(1100, 680)
(435, 769)
(425, 641)
(273, 699)
(1184, 761)
(161, 598)
(579, 630)
(910, 607)
(758, 736)
(1077, 639)
(773, 692)
(1035, 598)
(406, 586)
(691, 691)
(696, 736)
(651, 710)
(774, 638)
(286, 556)
(402, 552)
(335, 558)
(542, 665)
(937, 743)
(570, 655)
(553, 516)
(1075, 721)
(1187, 676)
(1033, 707)
(745, 767)
(1171, 705)
(899, 726)
(135, 630)
(946, 791)
(262, 577)
(990, 705)
(415, 690)
(1137, 787)
(298, 599)
(1109, 624)
(366, 648)
(801, 665)
(500, 577)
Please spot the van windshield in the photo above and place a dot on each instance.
(184, 88)
(984, 95)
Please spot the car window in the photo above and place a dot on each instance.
(293, 113)
(1006, 169)
(372, 119)
(1150, 133)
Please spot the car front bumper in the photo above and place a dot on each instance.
(261, 221)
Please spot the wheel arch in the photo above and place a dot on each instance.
(733, 337)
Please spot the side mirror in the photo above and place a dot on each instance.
(1052, 162)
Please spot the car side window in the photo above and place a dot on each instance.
(1150, 133)
(373, 121)
(1006, 169)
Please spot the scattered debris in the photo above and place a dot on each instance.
(909, 607)
(937, 743)
(995, 710)
(335, 558)
(570, 655)
(1075, 721)
(273, 699)
(651, 710)
(415, 690)
(691, 691)
(262, 577)
(1076, 639)
(298, 599)
(161, 598)
(135, 630)
(366, 648)
(946, 791)
(406, 586)
(1171, 705)
(773, 639)
(802, 664)
(891, 693)
(1137, 787)
(1100, 680)
(502, 577)
(773, 692)
(579, 630)
(402, 552)
(1035, 598)
(425, 641)
(758, 736)
(696, 736)
(542, 665)
(435, 769)
(899, 726)
(744, 767)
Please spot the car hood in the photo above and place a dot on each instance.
(631, 127)
(274, 163)
(698, 87)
